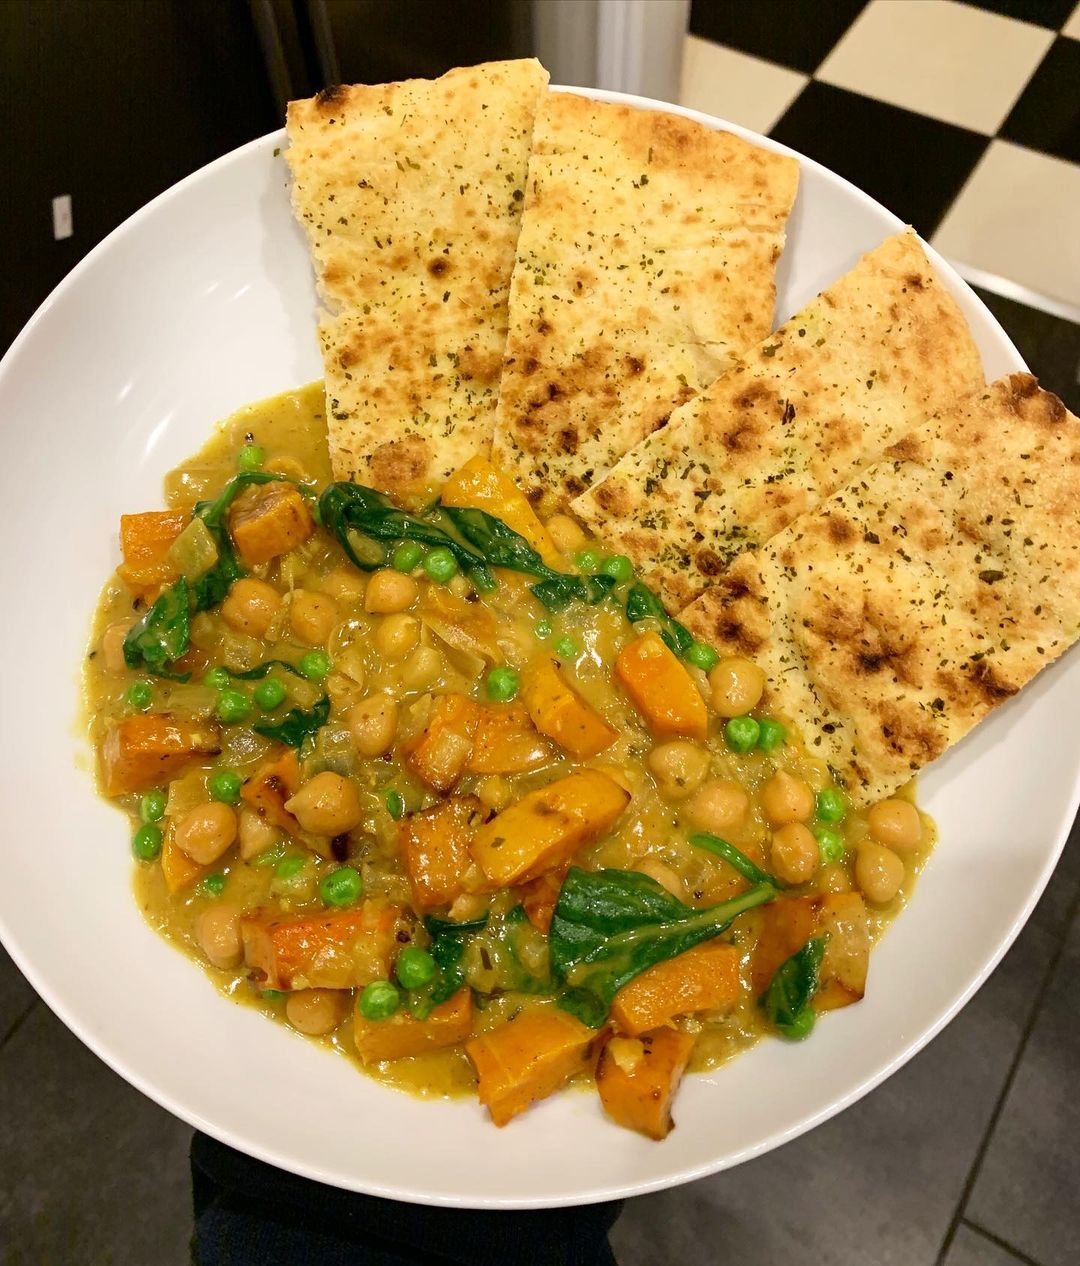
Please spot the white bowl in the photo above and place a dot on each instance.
(202, 302)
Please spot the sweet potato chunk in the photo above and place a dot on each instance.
(506, 741)
(528, 1058)
(702, 979)
(178, 869)
(439, 754)
(540, 896)
(661, 689)
(338, 950)
(637, 1079)
(269, 520)
(545, 828)
(403, 1035)
(478, 485)
(141, 752)
(434, 847)
(560, 713)
(267, 790)
(144, 542)
(789, 923)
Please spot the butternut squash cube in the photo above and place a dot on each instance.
(402, 1035)
(703, 979)
(637, 1079)
(661, 689)
(144, 543)
(331, 950)
(269, 520)
(479, 485)
(506, 741)
(144, 751)
(272, 784)
(434, 846)
(789, 923)
(559, 712)
(439, 754)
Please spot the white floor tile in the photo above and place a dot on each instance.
(735, 86)
(1017, 218)
(951, 61)
(1072, 27)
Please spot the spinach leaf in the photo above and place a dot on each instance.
(447, 948)
(610, 925)
(296, 725)
(213, 512)
(499, 545)
(162, 635)
(261, 670)
(735, 858)
(643, 604)
(786, 1002)
(558, 591)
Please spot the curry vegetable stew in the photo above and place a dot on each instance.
(421, 767)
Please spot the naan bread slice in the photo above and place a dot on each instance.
(861, 364)
(645, 263)
(935, 585)
(411, 195)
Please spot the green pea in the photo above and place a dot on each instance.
(233, 707)
(315, 665)
(742, 733)
(213, 885)
(270, 694)
(395, 803)
(542, 629)
(503, 684)
(407, 556)
(701, 656)
(566, 648)
(440, 565)
(618, 566)
(289, 866)
(830, 842)
(146, 842)
(140, 694)
(772, 734)
(224, 785)
(801, 1025)
(587, 559)
(831, 805)
(152, 806)
(273, 995)
(379, 1000)
(251, 457)
(414, 968)
(341, 887)
(218, 678)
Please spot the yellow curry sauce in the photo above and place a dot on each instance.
(448, 641)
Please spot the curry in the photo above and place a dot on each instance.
(452, 792)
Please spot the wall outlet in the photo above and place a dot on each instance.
(61, 217)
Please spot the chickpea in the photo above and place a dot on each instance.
(664, 876)
(344, 585)
(834, 878)
(736, 686)
(786, 799)
(373, 724)
(256, 834)
(895, 823)
(326, 805)
(396, 635)
(313, 616)
(878, 872)
(718, 806)
(316, 1011)
(494, 792)
(679, 767)
(112, 646)
(422, 669)
(795, 853)
(250, 605)
(217, 929)
(206, 832)
(389, 591)
(566, 534)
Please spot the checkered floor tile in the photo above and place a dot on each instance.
(962, 118)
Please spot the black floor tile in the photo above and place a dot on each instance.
(913, 164)
(90, 1170)
(15, 994)
(1051, 13)
(1049, 344)
(1026, 1191)
(877, 1185)
(972, 1248)
(1047, 114)
(796, 35)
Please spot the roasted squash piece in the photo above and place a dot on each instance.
(637, 1078)
(506, 741)
(267, 790)
(338, 950)
(178, 870)
(434, 847)
(545, 828)
(144, 751)
(540, 896)
(144, 543)
(559, 712)
(661, 689)
(479, 485)
(789, 923)
(402, 1035)
(703, 979)
(439, 754)
(528, 1058)
(269, 520)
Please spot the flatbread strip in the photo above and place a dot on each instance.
(861, 364)
(931, 588)
(411, 196)
(646, 261)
